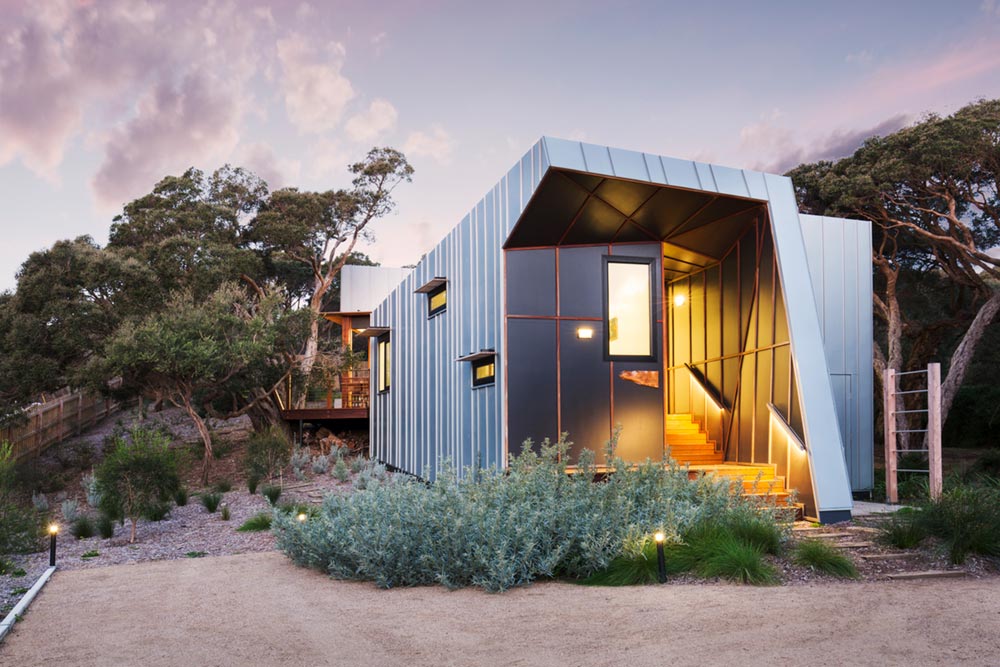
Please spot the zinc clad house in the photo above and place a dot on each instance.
(689, 303)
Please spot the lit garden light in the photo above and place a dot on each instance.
(53, 531)
(661, 560)
(302, 517)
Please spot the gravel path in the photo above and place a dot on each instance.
(259, 609)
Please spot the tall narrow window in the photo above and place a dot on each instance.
(384, 363)
(437, 299)
(628, 308)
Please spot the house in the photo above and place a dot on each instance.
(690, 303)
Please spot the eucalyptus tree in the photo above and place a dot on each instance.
(318, 231)
(931, 191)
(218, 356)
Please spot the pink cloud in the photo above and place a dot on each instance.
(194, 122)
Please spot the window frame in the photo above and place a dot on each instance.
(431, 311)
(476, 364)
(650, 263)
(384, 369)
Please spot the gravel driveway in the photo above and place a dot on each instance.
(259, 609)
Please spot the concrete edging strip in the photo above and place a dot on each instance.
(20, 607)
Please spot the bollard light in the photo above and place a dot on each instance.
(302, 517)
(53, 531)
(661, 560)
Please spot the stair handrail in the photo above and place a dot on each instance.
(713, 394)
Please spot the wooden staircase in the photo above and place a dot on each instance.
(689, 445)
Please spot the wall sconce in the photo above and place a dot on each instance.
(679, 300)
(585, 333)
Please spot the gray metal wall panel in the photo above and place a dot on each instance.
(585, 391)
(432, 413)
(839, 255)
(579, 282)
(531, 282)
(532, 381)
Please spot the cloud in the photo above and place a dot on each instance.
(768, 137)
(991, 7)
(863, 57)
(261, 160)
(437, 144)
(369, 125)
(194, 122)
(316, 92)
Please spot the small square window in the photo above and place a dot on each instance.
(437, 300)
(484, 371)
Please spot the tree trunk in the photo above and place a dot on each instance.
(206, 437)
(966, 350)
(131, 539)
(894, 346)
(309, 354)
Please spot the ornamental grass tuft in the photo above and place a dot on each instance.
(823, 557)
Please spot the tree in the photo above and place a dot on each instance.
(69, 300)
(137, 476)
(319, 230)
(931, 191)
(189, 231)
(217, 356)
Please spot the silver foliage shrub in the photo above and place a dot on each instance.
(494, 529)
(89, 484)
(70, 510)
(320, 464)
(40, 502)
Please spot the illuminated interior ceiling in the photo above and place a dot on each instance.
(574, 208)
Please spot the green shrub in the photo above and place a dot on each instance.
(210, 501)
(21, 527)
(225, 514)
(181, 497)
(40, 502)
(223, 486)
(105, 527)
(988, 463)
(902, 531)
(157, 512)
(340, 471)
(196, 554)
(967, 519)
(272, 493)
(823, 557)
(255, 523)
(252, 482)
(83, 527)
(93, 553)
(267, 453)
(357, 463)
(136, 475)
(6, 565)
(497, 529)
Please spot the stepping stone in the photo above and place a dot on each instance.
(834, 536)
(929, 574)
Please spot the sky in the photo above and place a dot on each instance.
(100, 99)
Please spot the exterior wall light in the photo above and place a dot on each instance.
(661, 561)
(585, 333)
(679, 300)
(53, 531)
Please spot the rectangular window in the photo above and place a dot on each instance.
(384, 363)
(437, 300)
(628, 308)
(484, 371)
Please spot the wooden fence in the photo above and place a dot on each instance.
(54, 420)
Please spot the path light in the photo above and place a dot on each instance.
(302, 517)
(53, 531)
(661, 561)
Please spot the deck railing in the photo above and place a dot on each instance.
(348, 390)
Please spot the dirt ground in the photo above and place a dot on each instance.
(259, 609)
